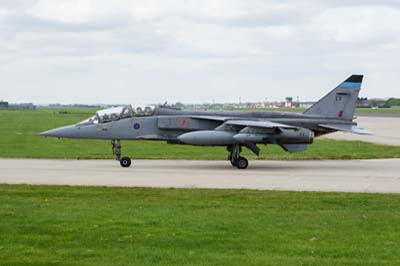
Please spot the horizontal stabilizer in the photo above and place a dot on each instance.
(294, 147)
(347, 128)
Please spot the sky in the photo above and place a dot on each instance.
(195, 51)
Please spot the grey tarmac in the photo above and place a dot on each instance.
(381, 175)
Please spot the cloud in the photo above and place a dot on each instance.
(359, 24)
(189, 50)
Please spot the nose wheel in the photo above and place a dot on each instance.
(116, 148)
(125, 162)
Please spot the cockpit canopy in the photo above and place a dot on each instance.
(118, 113)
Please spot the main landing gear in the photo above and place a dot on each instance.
(235, 158)
(116, 148)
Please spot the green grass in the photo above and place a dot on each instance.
(18, 139)
(50, 225)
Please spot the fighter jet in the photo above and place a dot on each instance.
(233, 129)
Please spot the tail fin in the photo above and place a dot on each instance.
(340, 102)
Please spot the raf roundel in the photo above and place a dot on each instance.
(136, 126)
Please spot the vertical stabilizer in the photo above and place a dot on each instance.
(340, 102)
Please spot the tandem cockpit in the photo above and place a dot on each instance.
(118, 113)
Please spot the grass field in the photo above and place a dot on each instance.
(49, 225)
(18, 139)
(393, 110)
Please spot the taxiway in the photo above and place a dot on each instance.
(382, 176)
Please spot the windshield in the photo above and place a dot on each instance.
(117, 113)
(91, 120)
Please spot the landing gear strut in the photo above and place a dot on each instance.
(235, 158)
(116, 148)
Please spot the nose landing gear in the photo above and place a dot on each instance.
(116, 148)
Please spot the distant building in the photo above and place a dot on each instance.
(305, 104)
(362, 103)
(22, 106)
(251, 105)
(290, 104)
(3, 104)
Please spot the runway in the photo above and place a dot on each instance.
(382, 176)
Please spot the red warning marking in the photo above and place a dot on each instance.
(184, 122)
(340, 114)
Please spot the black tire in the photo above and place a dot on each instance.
(125, 162)
(242, 163)
(233, 163)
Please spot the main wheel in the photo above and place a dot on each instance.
(233, 163)
(125, 162)
(242, 163)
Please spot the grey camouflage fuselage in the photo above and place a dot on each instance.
(234, 129)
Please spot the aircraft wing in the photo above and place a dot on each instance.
(347, 128)
(261, 124)
(213, 118)
(245, 123)
(248, 137)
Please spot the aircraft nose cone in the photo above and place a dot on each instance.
(61, 132)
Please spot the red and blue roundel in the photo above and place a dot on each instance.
(136, 126)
